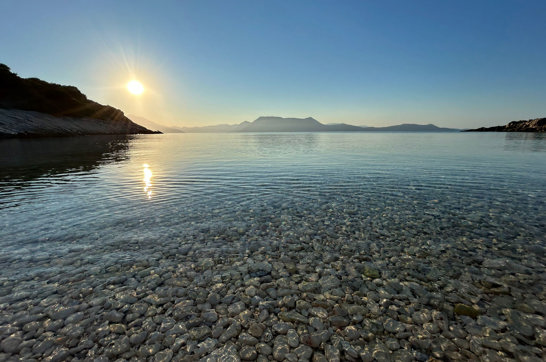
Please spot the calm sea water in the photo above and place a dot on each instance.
(103, 194)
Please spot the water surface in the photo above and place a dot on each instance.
(77, 192)
(195, 228)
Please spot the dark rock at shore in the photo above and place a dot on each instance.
(64, 102)
(531, 125)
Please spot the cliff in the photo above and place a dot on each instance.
(33, 107)
(531, 125)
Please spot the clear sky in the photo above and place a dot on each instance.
(451, 63)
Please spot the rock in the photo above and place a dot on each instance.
(199, 333)
(466, 310)
(313, 340)
(236, 308)
(255, 330)
(210, 316)
(118, 347)
(232, 331)
(520, 323)
(59, 355)
(329, 282)
(351, 333)
(11, 344)
(138, 338)
(319, 357)
(531, 125)
(392, 344)
(264, 349)
(303, 352)
(281, 328)
(331, 353)
(260, 268)
(248, 353)
(163, 356)
(114, 328)
(61, 312)
(114, 316)
(227, 353)
(309, 287)
(318, 312)
(293, 338)
(421, 317)
(492, 323)
(338, 321)
(371, 273)
(247, 339)
(292, 316)
(280, 351)
(206, 346)
(40, 347)
(393, 326)
(316, 323)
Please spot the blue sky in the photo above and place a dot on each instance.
(451, 63)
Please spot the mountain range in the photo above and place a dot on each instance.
(280, 124)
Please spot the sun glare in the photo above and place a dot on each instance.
(135, 87)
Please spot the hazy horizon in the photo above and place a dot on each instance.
(460, 64)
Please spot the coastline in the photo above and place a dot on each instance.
(23, 123)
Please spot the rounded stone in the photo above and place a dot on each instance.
(11, 344)
(248, 353)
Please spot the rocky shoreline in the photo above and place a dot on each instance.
(531, 125)
(317, 298)
(31, 107)
(21, 123)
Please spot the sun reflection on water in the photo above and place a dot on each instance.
(147, 180)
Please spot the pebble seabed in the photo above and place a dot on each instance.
(315, 293)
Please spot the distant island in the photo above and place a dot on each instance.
(309, 124)
(33, 108)
(531, 125)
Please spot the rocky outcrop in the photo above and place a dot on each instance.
(531, 125)
(20, 123)
(33, 107)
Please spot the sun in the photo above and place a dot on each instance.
(135, 87)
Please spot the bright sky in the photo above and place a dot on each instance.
(451, 63)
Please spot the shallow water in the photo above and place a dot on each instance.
(426, 207)
(75, 192)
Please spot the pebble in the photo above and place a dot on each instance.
(280, 351)
(290, 286)
(248, 353)
(11, 344)
(255, 330)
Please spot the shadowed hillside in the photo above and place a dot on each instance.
(531, 125)
(36, 95)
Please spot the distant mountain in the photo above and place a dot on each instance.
(219, 128)
(153, 125)
(531, 125)
(309, 124)
(33, 107)
(410, 127)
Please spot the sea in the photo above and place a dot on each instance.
(151, 245)
(59, 194)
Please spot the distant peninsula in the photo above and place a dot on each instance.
(531, 125)
(35, 108)
(309, 124)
